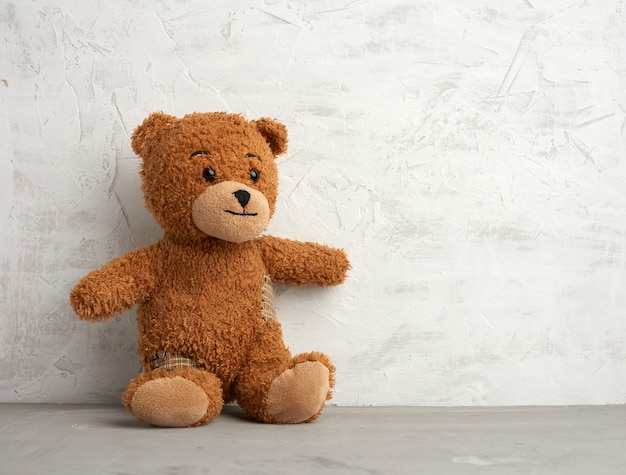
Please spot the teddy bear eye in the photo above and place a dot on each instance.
(255, 175)
(208, 174)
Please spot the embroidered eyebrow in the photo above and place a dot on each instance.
(252, 155)
(199, 152)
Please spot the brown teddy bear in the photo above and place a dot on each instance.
(207, 327)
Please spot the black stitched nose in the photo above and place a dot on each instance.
(243, 197)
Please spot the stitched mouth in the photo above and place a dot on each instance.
(240, 214)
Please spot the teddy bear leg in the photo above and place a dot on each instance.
(174, 398)
(292, 393)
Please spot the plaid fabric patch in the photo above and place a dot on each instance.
(268, 310)
(170, 361)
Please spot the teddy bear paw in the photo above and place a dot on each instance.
(172, 400)
(299, 394)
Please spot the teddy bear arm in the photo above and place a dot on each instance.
(298, 263)
(117, 286)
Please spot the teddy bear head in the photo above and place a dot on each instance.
(210, 174)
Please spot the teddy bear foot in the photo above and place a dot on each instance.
(300, 393)
(176, 398)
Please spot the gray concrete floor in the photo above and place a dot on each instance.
(62, 439)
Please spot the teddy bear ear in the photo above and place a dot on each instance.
(274, 132)
(148, 134)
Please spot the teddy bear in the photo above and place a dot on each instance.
(208, 333)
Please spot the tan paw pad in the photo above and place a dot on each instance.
(299, 393)
(169, 402)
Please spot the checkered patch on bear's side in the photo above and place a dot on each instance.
(170, 361)
(268, 310)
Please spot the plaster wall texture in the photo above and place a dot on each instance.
(470, 157)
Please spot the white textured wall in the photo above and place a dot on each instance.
(469, 155)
